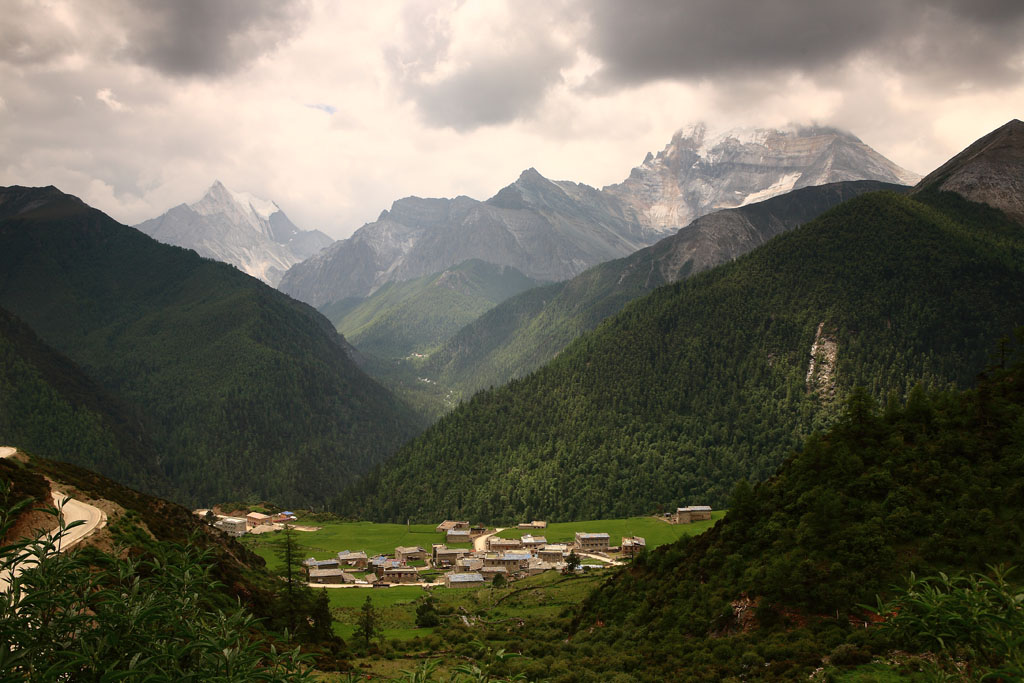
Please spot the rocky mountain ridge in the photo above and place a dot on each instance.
(251, 233)
(699, 171)
(990, 171)
(554, 230)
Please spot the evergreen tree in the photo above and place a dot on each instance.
(289, 554)
(572, 563)
(366, 626)
(426, 614)
(322, 620)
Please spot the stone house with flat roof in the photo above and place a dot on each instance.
(407, 553)
(592, 542)
(463, 580)
(334, 575)
(633, 545)
(553, 552)
(499, 544)
(401, 575)
(693, 513)
(353, 559)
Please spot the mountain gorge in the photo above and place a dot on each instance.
(710, 380)
(250, 233)
(241, 390)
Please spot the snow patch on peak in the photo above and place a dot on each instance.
(264, 208)
(781, 186)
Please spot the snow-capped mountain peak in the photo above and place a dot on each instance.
(702, 170)
(239, 228)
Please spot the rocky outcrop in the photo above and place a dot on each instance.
(821, 373)
(990, 171)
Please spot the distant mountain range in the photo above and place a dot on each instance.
(240, 390)
(717, 378)
(554, 230)
(250, 233)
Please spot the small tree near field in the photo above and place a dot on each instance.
(366, 626)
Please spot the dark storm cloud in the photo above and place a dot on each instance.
(647, 40)
(205, 37)
(486, 88)
(31, 34)
(178, 38)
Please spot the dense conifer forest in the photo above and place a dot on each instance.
(242, 391)
(705, 382)
(792, 572)
(47, 405)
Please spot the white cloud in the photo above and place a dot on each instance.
(353, 105)
(106, 96)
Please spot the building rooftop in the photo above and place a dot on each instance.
(324, 573)
(465, 577)
(581, 534)
(515, 556)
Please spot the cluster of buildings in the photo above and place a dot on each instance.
(511, 558)
(238, 526)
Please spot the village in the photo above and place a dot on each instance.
(470, 556)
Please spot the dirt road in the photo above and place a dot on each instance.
(480, 542)
(72, 511)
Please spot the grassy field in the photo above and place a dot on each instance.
(655, 531)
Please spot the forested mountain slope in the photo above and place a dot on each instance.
(521, 334)
(47, 405)
(716, 378)
(242, 390)
(418, 315)
(932, 485)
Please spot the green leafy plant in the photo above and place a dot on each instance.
(974, 617)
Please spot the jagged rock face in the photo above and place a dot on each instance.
(250, 233)
(698, 173)
(990, 171)
(547, 230)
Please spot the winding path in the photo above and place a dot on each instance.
(71, 511)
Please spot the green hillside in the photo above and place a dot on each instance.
(242, 390)
(47, 405)
(933, 485)
(402, 318)
(520, 335)
(705, 382)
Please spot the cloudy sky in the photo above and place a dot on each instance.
(335, 109)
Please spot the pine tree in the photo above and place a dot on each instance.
(366, 626)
